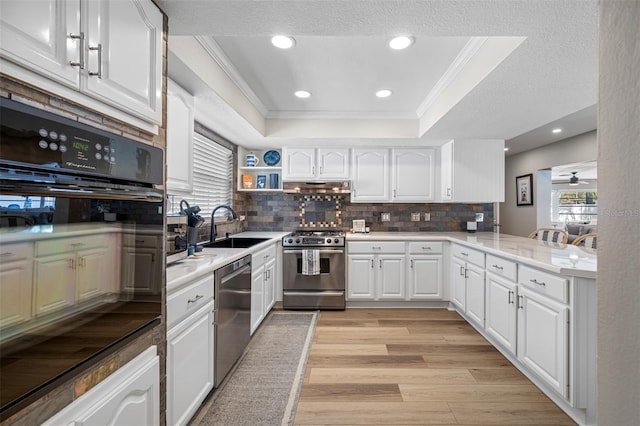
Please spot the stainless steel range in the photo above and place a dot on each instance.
(314, 270)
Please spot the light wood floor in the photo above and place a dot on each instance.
(414, 366)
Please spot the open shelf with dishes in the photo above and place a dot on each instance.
(259, 170)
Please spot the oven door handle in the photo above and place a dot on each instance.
(336, 251)
(49, 189)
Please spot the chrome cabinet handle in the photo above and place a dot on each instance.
(80, 62)
(372, 263)
(538, 282)
(520, 305)
(509, 297)
(464, 254)
(376, 248)
(99, 72)
(381, 263)
(6, 253)
(426, 248)
(411, 263)
(498, 267)
(466, 270)
(71, 263)
(448, 192)
(195, 299)
(394, 193)
(462, 271)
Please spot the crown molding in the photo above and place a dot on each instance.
(340, 115)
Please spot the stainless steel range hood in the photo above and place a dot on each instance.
(326, 187)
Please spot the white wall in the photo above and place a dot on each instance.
(619, 218)
(522, 220)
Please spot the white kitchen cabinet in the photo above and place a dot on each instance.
(189, 365)
(543, 345)
(129, 396)
(446, 171)
(393, 175)
(385, 279)
(180, 116)
(140, 256)
(424, 279)
(315, 163)
(474, 170)
(501, 312)
(16, 284)
(107, 51)
(467, 275)
(370, 169)
(263, 276)
(71, 270)
(413, 175)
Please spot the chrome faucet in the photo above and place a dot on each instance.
(212, 232)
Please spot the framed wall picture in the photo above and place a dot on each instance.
(524, 190)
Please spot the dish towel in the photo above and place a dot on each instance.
(310, 262)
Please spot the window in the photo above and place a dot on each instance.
(574, 206)
(212, 175)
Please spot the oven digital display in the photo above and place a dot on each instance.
(312, 241)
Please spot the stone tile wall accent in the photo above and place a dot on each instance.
(281, 212)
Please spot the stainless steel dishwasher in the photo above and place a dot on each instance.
(232, 315)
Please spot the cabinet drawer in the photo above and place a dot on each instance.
(145, 241)
(69, 244)
(12, 252)
(189, 299)
(502, 267)
(550, 285)
(376, 247)
(263, 256)
(468, 254)
(425, 247)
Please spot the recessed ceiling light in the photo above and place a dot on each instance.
(558, 130)
(283, 42)
(302, 94)
(384, 93)
(506, 148)
(401, 42)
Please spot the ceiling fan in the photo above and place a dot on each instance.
(575, 180)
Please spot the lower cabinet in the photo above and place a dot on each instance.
(543, 343)
(130, 396)
(16, 289)
(475, 293)
(257, 300)
(467, 280)
(189, 365)
(425, 280)
(263, 284)
(500, 318)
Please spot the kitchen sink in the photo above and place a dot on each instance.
(239, 242)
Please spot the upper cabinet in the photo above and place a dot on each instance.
(315, 163)
(393, 175)
(106, 51)
(472, 171)
(180, 113)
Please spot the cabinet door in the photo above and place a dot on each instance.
(124, 45)
(391, 277)
(299, 163)
(478, 171)
(360, 280)
(413, 175)
(333, 163)
(446, 171)
(543, 338)
(269, 285)
(475, 294)
(370, 170)
(94, 273)
(55, 278)
(180, 110)
(257, 299)
(189, 365)
(15, 289)
(140, 270)
(458, 283)
(35, 34)
(425, 279)
(500, 319)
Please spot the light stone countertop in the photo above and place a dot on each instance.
(210, 259)
(558, 258)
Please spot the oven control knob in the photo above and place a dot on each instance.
(290, 240)
(336, 241)
(328, 240)
(297, 240)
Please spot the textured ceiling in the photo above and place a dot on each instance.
(341, 56)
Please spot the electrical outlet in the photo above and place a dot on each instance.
(427, 217)
(385, 217)
(479, 217)
(242, 218)
(415, 217)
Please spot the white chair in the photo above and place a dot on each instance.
(587, 241)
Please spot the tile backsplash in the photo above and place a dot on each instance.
(283, 212)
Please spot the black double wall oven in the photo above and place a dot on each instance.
(81, 248)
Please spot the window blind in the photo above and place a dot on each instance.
(212, 175)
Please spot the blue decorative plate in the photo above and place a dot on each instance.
(271, 158)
